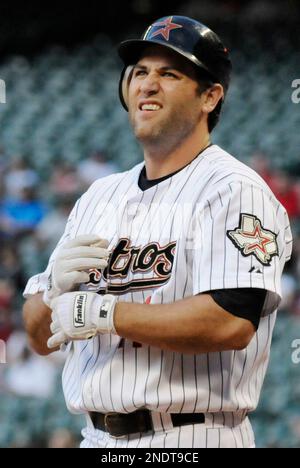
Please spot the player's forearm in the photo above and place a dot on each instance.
(37, 319)
(193, 325)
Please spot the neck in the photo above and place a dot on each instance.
(161, 160)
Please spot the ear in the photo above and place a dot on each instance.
(126, 77)
(211, 97)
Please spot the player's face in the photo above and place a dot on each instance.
(164, 104)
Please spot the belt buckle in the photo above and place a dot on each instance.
(110, 430)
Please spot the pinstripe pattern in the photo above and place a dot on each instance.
(195, 208)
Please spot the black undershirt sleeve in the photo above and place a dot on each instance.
(245, 303)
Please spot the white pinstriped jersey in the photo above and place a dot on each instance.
(213, 225)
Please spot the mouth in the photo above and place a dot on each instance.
(149, 107)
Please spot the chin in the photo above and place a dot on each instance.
(146, 135)
(144, 131)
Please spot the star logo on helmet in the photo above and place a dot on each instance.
(167, 27)
(252, 239)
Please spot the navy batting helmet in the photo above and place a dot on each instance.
(186, 36)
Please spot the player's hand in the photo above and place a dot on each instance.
(72, 263)
(80, 316)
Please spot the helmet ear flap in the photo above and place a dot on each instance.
(124, 82)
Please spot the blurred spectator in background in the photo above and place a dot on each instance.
(19, 176)
(28, 374)
(295, 310)
(7, 292)
(296, 188)
(289, 287)
(261, 164)
(95, 167)
(64, 180)
(3, 164)
(53, 225)
(286, 192)
(281, 183)
(11, 265)
(20, 216)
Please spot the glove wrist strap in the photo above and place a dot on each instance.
(106, 314)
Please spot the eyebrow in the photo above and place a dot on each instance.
(169, 67)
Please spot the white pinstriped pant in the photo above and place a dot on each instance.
(212, 434)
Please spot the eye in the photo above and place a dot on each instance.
(169, 74)
(139, 73)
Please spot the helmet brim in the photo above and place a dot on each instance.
(131, 50)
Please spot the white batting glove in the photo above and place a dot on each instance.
(80, 316)
(72, 263)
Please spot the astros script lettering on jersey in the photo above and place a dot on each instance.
(126, 257)
(223, 228)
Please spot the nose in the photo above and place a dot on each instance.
(150, 84)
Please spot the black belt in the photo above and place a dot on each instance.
(121, 424)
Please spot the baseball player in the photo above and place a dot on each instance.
(164, 287)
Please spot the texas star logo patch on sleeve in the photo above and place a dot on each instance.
(252, 239)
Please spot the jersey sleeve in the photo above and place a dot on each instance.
(38, 283)
(241, 239)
